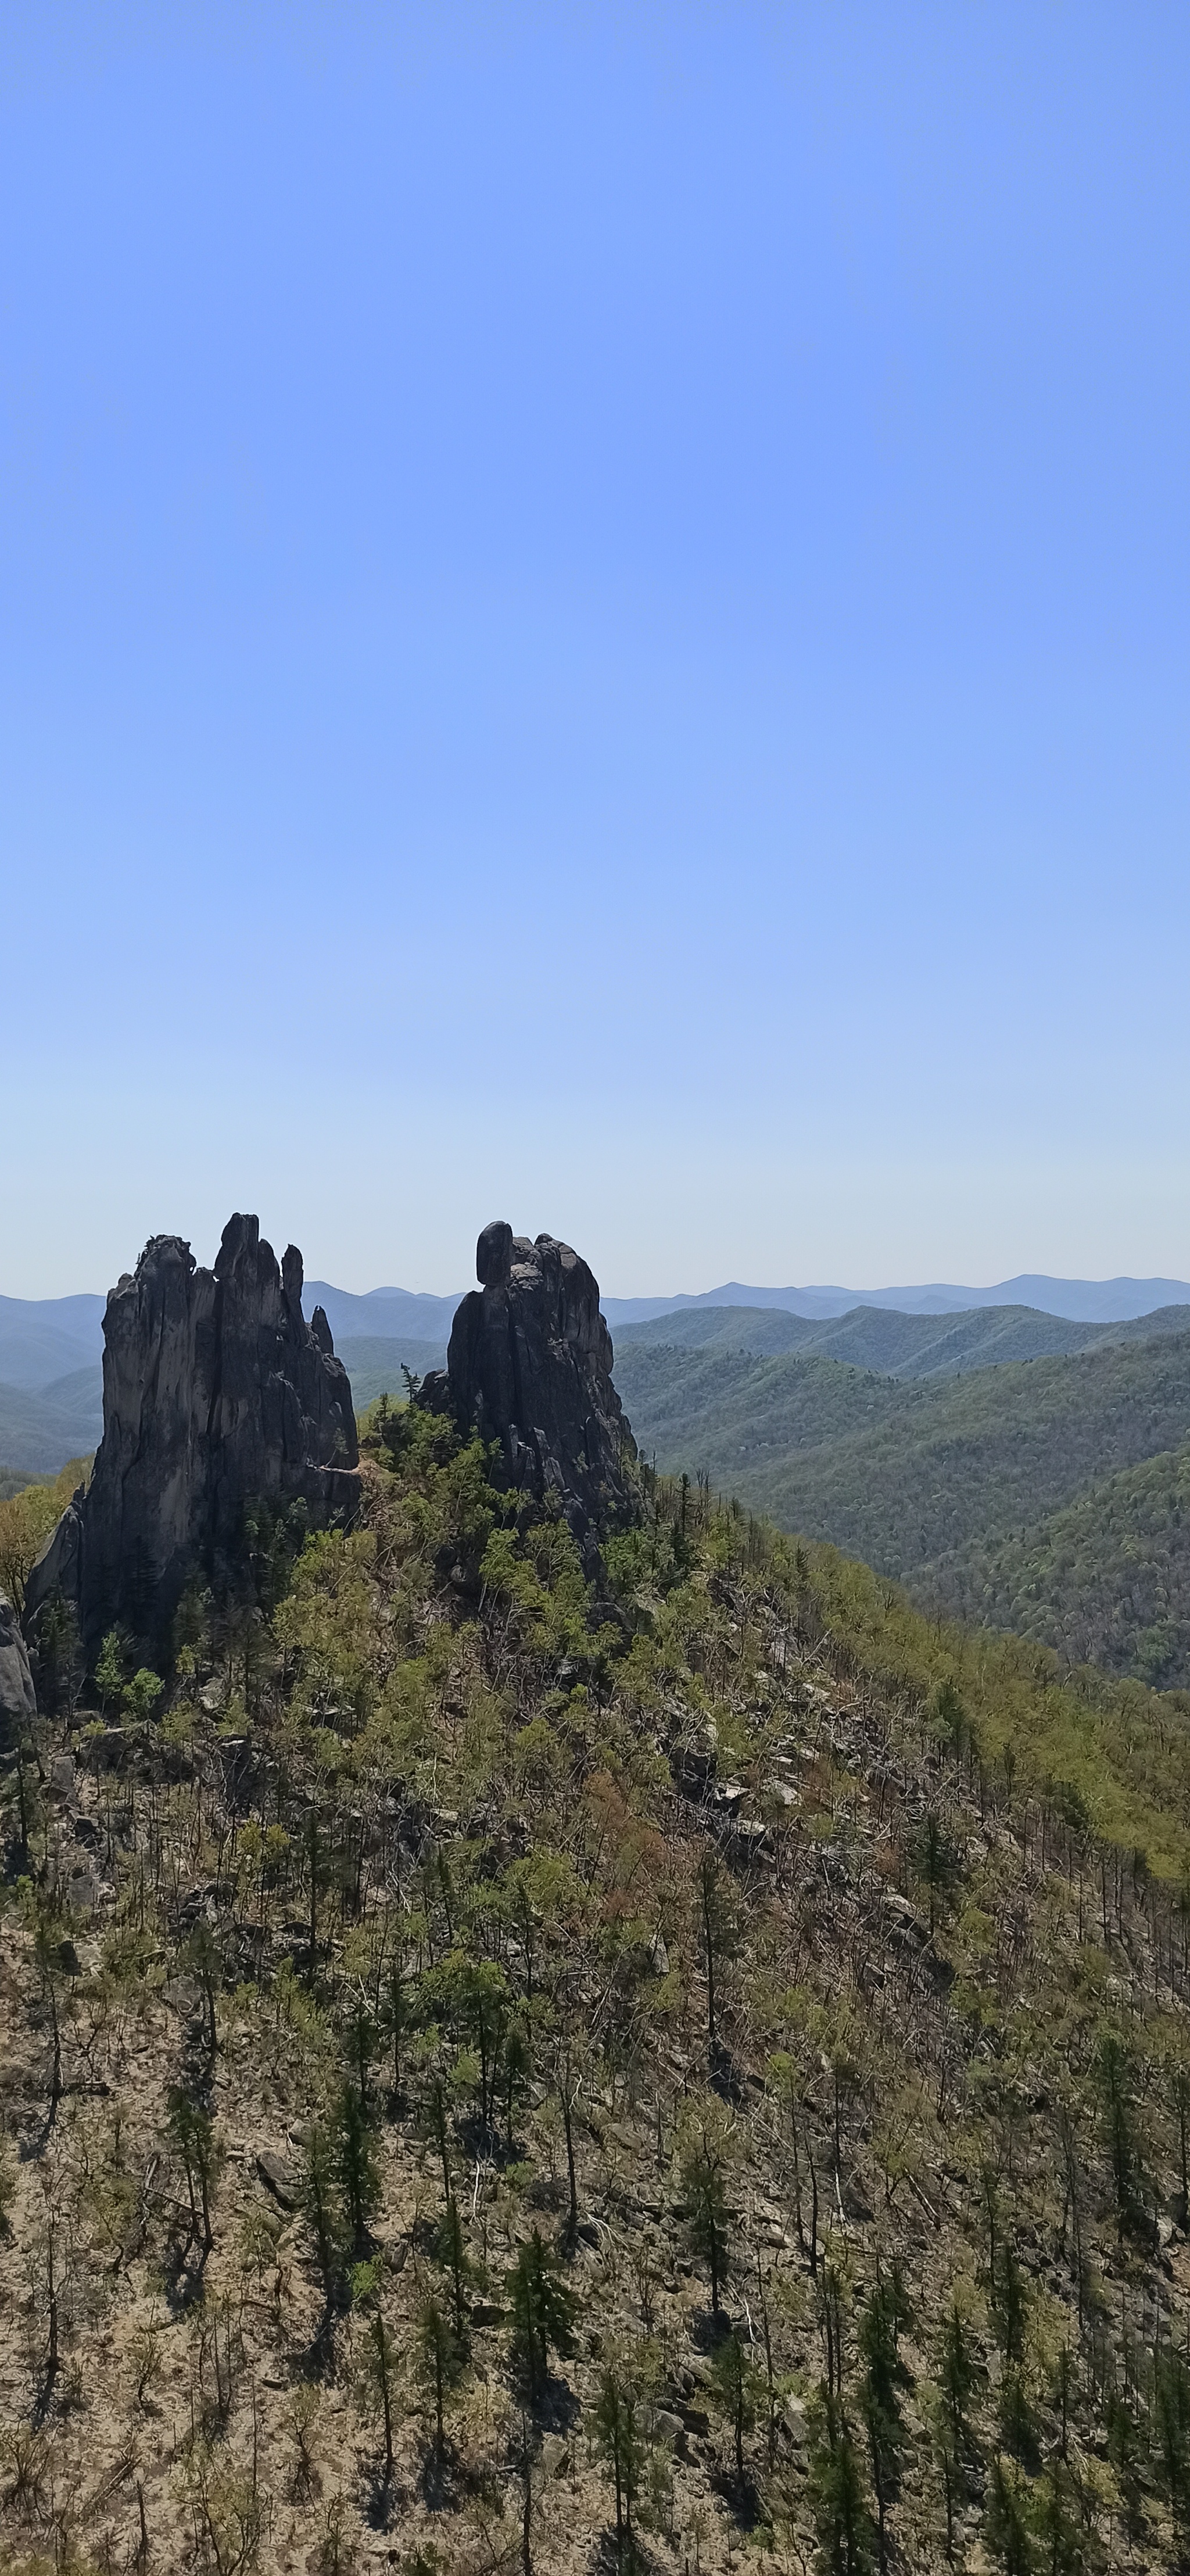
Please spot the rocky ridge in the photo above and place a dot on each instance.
(216, 1394)
(529, 1366)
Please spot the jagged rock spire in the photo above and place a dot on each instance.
(529, 1366)
(216, 1393)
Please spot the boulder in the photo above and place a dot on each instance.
(794, 2423)
(217, 1394)
(667, 2425)
(277, 2178)
(18, 1703)
(530, 1368)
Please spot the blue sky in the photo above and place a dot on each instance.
(593, 626)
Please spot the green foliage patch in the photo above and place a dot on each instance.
(989, 1494)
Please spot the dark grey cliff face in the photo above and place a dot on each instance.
(216, 1393)
(529, 1365)
(17, 1702)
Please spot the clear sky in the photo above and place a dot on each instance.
(593, 627)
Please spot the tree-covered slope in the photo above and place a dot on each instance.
(924, 1480)
(734, 1415)
(1104, 1580)
(900, 1473)
(893, 1344)
(500, 2073)
(41, 1428)
(376, 1363)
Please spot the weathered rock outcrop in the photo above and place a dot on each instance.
(529, 1365)
(17, 1701)
(216, 1394)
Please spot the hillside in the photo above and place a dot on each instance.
(43, 1338)
(1105, 1580)
(892, 1344)
(922, 1478)
(50, 1379)
(504, 2075)
(1098, 1301)
(40, 1428)
(383, 1314)
(375, 1364)
(28, 1513)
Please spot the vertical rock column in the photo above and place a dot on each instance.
(530, 1366)
(216, 1394)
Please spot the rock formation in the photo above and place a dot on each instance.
(216, 1394)
(529, 1365)
(17, 1701)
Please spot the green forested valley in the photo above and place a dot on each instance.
(376, 1365)
(894, 1344)
(1105, 1580)
(951, 1483)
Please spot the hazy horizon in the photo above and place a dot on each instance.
(718, 1289)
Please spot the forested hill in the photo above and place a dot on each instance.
(894, 1344)
(376, 1364)
(1105, 1579)
(922, 1479)
(47, 1417)
(502, 2072)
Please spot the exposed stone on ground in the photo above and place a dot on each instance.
(17, 1700)
(794, 2422)
(529, 1365)
(216, 1394)
(276, 2176)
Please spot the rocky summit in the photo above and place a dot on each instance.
(540, 2028)
(530, 1366)
(216, 1394)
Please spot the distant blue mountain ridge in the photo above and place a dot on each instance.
(393, 1312)
(1081, 1301)
(44, 1339)
(50, 1347)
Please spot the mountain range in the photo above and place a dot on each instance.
(1080, 1300)
(896, 1345)
(1021, 1465)
(1006, 1481)
(46, 1338)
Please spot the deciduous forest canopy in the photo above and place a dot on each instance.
(1040, 1495)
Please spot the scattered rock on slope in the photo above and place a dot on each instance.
(216, 1393)
(529, 1365)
